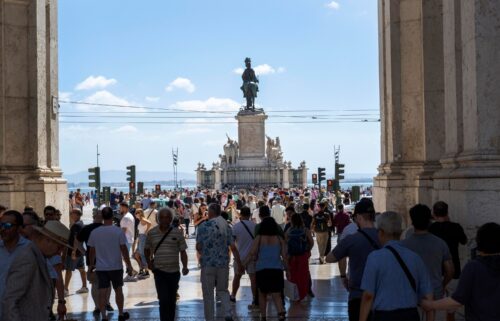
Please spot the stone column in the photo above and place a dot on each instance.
(251, 138)
(29, 148)
(412, 102)
(286, 177)
(470, 179)
(218, 181)
(199, 177)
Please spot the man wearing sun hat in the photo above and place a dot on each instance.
(28, 293)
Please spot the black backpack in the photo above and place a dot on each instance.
(297, 241)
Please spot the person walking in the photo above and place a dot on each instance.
(299, 244)
(356, 247)
(164, 244)
(213, 241)
(11, 243)
(29, 294)
(269, 251)
(243, 233)
(83, 237)
(143, 228)
(478, 288)
(395, 279)
(320, 225)
(433, 251)
(453, 234)
(108, 245)
(73, 256)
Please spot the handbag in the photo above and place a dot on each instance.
(291, 291)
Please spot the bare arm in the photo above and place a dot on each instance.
(443, 304)
(429, 314)
(91, 256)
(366, 305)
(449, 271)
(330, 258)
(126, 258)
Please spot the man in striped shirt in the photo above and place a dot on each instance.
(164, 243)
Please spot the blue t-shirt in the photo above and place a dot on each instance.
(357, 247)
(215, 236)
(386, 280)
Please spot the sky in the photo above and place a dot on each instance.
(317, 62)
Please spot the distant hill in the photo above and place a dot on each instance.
(117, 176)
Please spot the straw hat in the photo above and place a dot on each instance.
(56, 231)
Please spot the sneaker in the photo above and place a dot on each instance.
(82, 290)
(124, 317)
(130, 278)
(143, 275)
(109, 308)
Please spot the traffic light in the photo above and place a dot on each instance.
(140, 187)
(131, 178)
(339, 171)
(330, 185)
(95, 178)
(315, 178)
(106, 190)
(321, 175)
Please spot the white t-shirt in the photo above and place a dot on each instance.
(255, 215)
(106, 240)
(127, 222)
(278, 213)
(242, 238)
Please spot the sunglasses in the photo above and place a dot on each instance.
(7, 226)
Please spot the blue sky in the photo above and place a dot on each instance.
(310, 55)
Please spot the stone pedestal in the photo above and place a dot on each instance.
(29, 148)
(251, 138)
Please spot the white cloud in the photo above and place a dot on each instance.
(263, 69)
(64, 96)
(210, 104)
(333, 5)
(152, 99)
(95, 82)
(181, 83)
(127, 129)
(105, 97)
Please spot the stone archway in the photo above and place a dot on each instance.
(440, 106)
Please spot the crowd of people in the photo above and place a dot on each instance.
(390, 273)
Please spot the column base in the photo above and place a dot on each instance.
(36, 188)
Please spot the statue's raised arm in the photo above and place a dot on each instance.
(250, 85)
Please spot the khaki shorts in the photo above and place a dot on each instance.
(249, 268)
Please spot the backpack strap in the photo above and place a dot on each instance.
(162, 239)
(372, 242)
(410, 277)
(248, 230)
